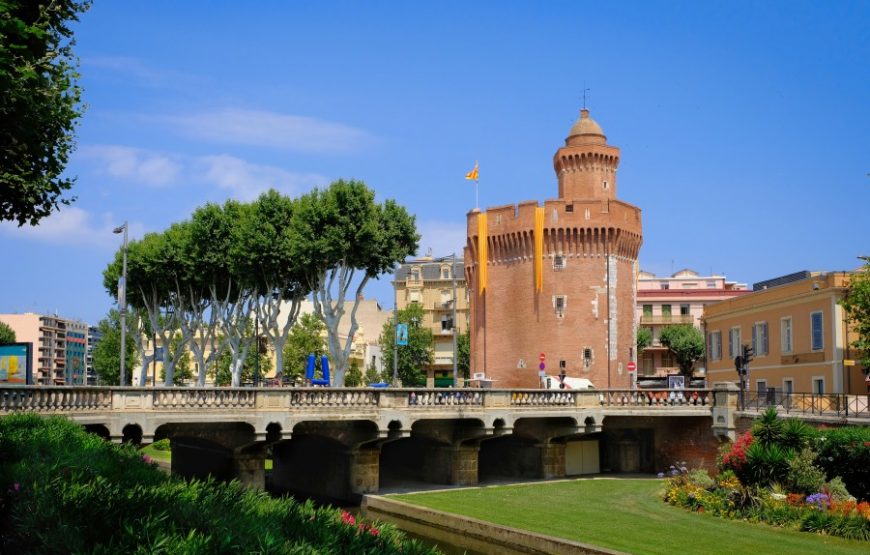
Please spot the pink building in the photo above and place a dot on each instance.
(678, 299)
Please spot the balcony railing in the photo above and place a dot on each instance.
(819, 404)
(650, 319)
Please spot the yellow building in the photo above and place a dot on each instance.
(798, 331)
(430, 282)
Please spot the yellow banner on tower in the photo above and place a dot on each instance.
(539, 248)
(481, 251)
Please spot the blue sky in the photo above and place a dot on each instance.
(744, 126)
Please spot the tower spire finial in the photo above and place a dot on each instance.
(584, 94)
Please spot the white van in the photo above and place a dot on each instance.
(553, 382)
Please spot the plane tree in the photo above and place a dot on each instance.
(343, 239)
(263, 253)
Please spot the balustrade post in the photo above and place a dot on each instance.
(725, 400)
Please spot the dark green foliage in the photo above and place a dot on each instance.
(354, 376)
(65, 491)
(845, 452)
(797, 434)
(373, 376)
(107, 353)
(414, 357)
(463, 355)
(768, 430)
(222, 373)
(857, 306)
(686, 344)
(765, 465)
(644, 338)
(7, 334)
(39, 105)
(162, 445)
(804, 476)
(305, 338)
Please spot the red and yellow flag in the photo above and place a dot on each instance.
(473, 174)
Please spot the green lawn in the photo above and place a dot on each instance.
(627, 515)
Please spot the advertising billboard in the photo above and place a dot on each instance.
(15, 364)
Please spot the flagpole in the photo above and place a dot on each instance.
(476, 196)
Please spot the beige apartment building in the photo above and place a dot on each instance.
(59, 346)
(430, 282)
(798, 331)
(677, 299)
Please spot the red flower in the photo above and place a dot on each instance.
(348, 518)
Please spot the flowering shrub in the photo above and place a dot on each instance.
(819, 501)
(733, 455)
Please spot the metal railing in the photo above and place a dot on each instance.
(818, 404)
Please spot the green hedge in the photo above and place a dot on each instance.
(63, 490)
(845, 452)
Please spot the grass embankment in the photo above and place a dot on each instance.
(624, 514)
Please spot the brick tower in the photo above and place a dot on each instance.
(557, 279)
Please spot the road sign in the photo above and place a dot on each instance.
(849, 362)
(632, 366)
(541, 357)
(542, 366)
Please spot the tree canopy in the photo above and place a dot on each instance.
(414, 357)
(39, 106)
(644, 338)
(237, 267)
(107, 353)
(686, 343)
(7, 334)
(342, 237)
(857, 306)
(305, 339)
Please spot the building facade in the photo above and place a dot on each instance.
(430, 282)
(798, 331)
(678, 299)
(59, 346)
(557, 281)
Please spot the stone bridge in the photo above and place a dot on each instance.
(337, 444)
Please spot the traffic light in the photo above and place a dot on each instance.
(738, 364)
(748, 354)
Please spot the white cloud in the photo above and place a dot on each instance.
(137, 165)
(244, 180)
(73, 226)
(444, 238)
(247, 180)
(270, 130)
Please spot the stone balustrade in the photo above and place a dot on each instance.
(98, 399)
(657, 398)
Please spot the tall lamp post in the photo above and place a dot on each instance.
(122, 304)
(454, 326)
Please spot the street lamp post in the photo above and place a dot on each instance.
(454, 326)
(122, 304)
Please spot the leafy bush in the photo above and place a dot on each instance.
(162, 445)
(845, 452)
(768, 430)
(765, 465)
(797, 434)
(701, 478)
(803, 475)
(837, 489)
(63, 490)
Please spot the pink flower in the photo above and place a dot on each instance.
(147, 459)
(374, 531)
(348, 518)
